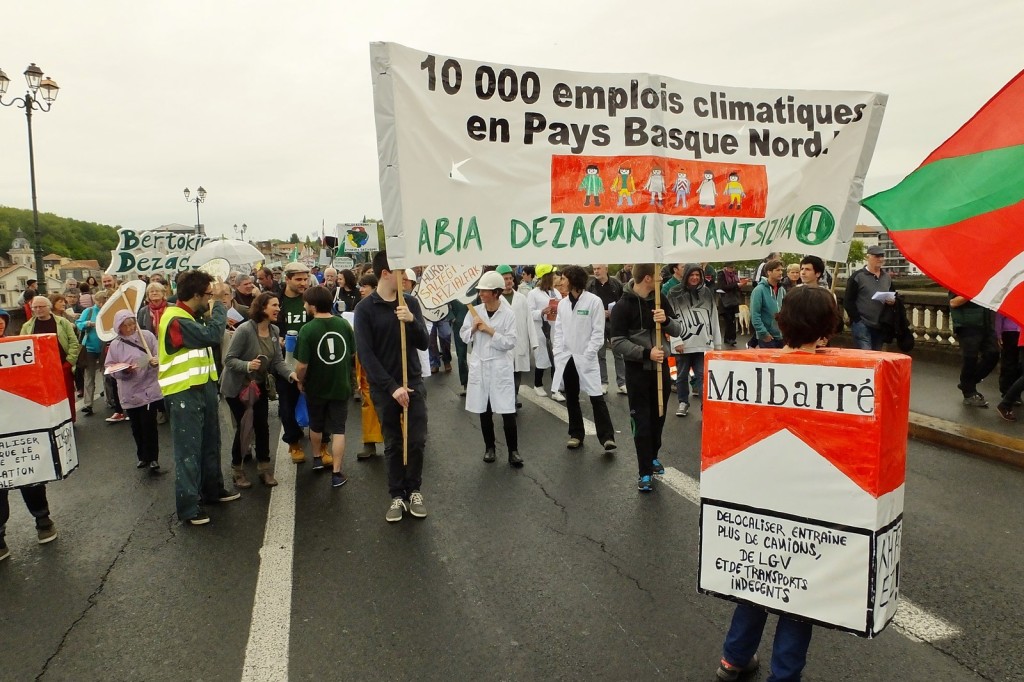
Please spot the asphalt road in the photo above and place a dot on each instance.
(558, 571)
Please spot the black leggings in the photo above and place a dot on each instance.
(508, 422)
(144, 431)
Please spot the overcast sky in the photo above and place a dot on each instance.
(269, 105)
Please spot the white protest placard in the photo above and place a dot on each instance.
(37, 441)
(358, 237)
(802, 482)
(492, 163)
(147, 252)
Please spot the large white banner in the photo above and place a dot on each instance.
(493, 163)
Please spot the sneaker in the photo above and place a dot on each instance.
(1006, 412)
(396, 510)
(658, 467)
(200, 519)
(326, 456)
(297, 452)
(338, 479)
(318, 464)
(604, 389)
(46, 533)
(682, 410)
(610, 446)
(975, 400)
(140, 465)
(622, 390)
(4, 551)
(416, 506)
(643, 484)
(489, 455)
(87, 411)
(729, 672)
(368, 451)
(161, 417)
(573, 443)
(557, 396)
(462, 392)
(539, 390)
(225, 496)
(117, 417)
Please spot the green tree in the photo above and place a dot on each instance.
(294, 239)
(857, 252)
(76, 239)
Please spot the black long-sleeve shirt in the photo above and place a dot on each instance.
(378, 341)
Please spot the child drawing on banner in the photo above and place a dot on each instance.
(681, 188)
(734, 190)
(706, 193)
(592, 186)
(624, 186)
(656, 186)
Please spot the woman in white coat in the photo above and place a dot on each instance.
(543, 300)
(491, 329)
(577, 338)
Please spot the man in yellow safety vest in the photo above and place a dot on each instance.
(188, 380)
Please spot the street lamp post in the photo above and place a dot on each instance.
(240, 231)
(30, 102)
(200, 198)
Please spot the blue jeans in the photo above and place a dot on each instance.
(789, 652)
(865, 337)
(684, 363)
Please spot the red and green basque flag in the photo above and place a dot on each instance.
(960, 216)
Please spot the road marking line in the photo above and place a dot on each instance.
(556, 409)
(911, 620)
(266, 654)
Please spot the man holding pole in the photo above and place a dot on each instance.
(389, 330)
(635, 336)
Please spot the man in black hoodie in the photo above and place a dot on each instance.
(633, 336)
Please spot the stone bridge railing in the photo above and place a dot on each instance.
(929, 317)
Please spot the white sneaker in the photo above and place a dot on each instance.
(539, 390)
(604, 389)
(622, 390)
(557, 397)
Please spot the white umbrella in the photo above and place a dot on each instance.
(234, 251)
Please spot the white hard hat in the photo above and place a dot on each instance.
(410, 274)
(490, 280)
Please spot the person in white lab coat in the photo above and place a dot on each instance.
(526, 339)
(491, 329)
(577, 338)
(543, 300)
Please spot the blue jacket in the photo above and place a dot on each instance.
(90, 339)
(764, 306)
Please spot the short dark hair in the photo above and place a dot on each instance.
(808, 314)
(380, 264)
(193, 283)
(369, 280)
(530, 270)
(642, 270)
(30, 282)
(577, 277)
(258, 309)
(320, 298)
(265, 272)
(773, 264)
(814, 262)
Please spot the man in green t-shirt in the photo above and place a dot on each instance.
(324, 368)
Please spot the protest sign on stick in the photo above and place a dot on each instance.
(495, 163)
(802, 481)
(149, 252)
(37, 441)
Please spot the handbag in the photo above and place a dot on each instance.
(302, 412)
